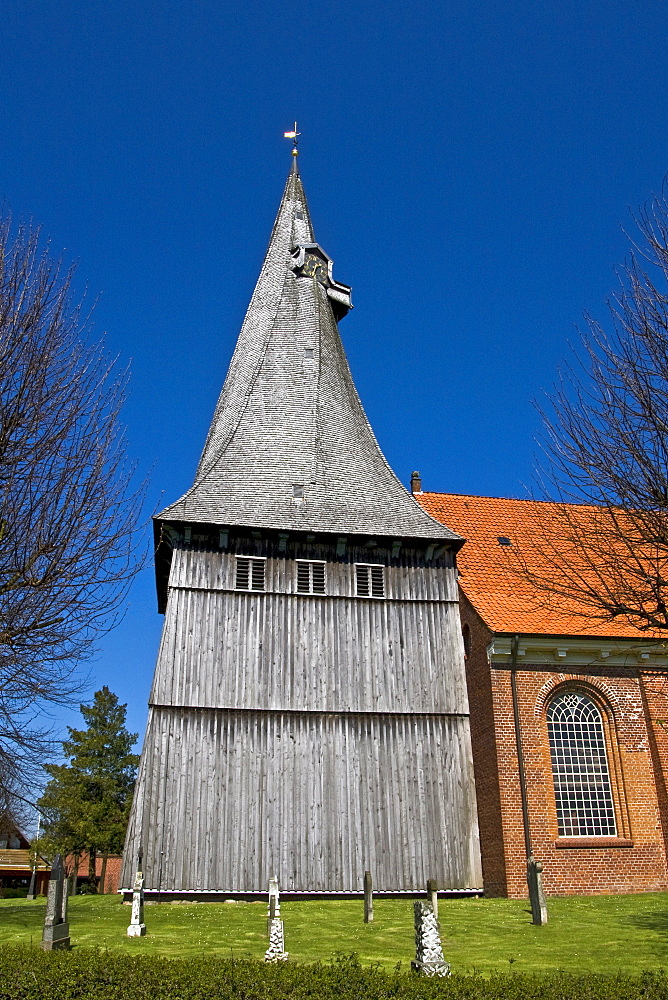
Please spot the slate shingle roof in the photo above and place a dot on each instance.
(289, 415)
(489, 577)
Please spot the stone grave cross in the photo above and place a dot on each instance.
(368, 898)
(536, 894)
(432, 895)
(429, 959)
(137, 927)
(276, 951)
(56, 933)
(274, 907)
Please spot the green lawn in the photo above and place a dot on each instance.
(599, 934)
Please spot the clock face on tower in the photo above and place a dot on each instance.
(315, 267)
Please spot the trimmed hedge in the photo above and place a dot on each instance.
(87, 974)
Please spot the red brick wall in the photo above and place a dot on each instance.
(485, 756)
(654, 688)
(112, 877)
(638, 755)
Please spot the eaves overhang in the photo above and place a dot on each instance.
(577, 651)
(167, 534)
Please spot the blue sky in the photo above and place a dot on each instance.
(470, 167)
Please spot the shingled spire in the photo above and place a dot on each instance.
(290, 446)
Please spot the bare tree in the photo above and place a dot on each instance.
(606, 550)
(68, 509)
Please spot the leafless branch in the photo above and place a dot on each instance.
(68, 507)
(606, 446)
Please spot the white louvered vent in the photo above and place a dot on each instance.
(310, 577)
(370, 580)
(250, 574)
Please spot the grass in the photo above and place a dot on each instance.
(587, 933)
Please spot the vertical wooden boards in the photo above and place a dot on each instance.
(317, 799)
(278, 649)
(313, 737)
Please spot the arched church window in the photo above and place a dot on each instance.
(580, 769)
(466, 635)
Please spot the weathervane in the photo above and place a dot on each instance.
(294, 135)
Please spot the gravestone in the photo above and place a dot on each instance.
(137, 927)
(274, 907)
(432, 893)
(276, 951)
(368, 898)
(536, 894)
(56, 933)
(429, 959)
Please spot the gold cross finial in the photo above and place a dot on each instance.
(294, 135)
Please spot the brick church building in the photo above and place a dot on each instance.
(318, 709)
(569, 717)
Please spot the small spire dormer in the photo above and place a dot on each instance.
(309, 260)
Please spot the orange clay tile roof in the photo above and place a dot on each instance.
(505, 601)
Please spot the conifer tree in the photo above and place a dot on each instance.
(86, 803)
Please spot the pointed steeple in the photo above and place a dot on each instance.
(290, 447)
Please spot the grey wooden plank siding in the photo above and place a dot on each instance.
(312, 737)
(281, 650)
(316, 799)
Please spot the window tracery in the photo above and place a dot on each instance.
(582, 786)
